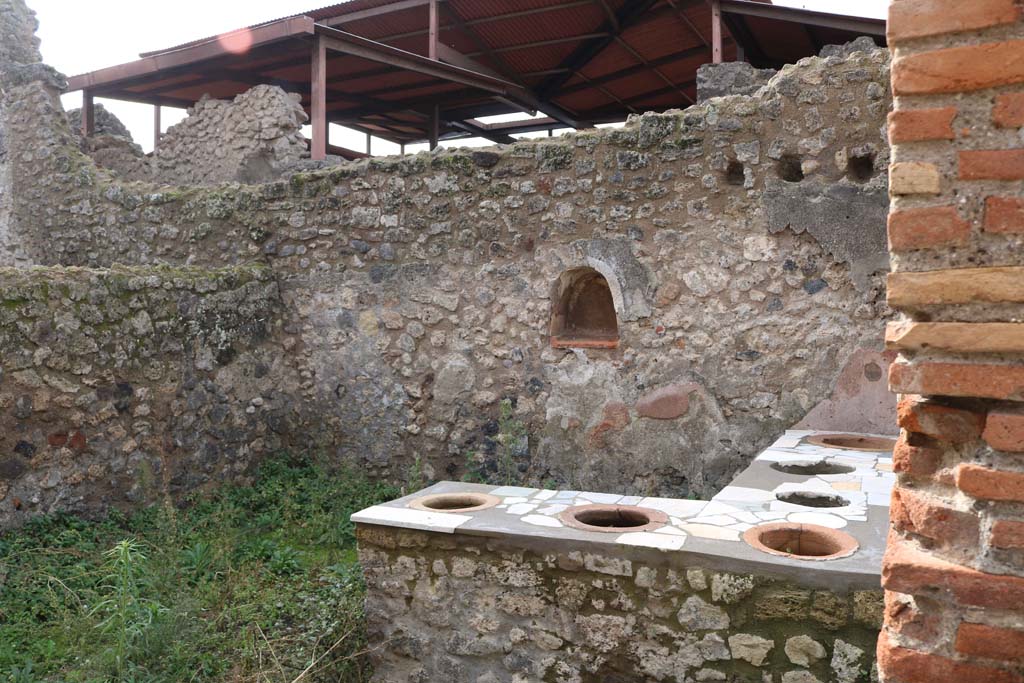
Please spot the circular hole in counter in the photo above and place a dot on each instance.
(853, 442)
(801, 541)
(613, 518)
(812, 499)
(811, 467)
(454, 502)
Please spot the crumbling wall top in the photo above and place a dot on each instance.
(18, 41)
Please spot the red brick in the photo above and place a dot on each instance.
(981, 380)
(919, 18)
(1007, 534)
(923, 515)
(907, 569)
(912, 618)
(939, 226)
(1004, 215)
(923, 416)
(979, 640)
(988, 484)
(959, 69)
(1004, 430)
(77, 441)
(992, 164)
(57, 439)
(1009, 110)
(915, 460)
(916, 125)
(901, 665)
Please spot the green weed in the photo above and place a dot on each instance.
(253, 584)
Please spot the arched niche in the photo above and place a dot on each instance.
(583, 311)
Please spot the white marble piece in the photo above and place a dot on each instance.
(833, 478)
(859, 461)
(741, 527)
(782, 506)
(788, 440)
(770, 516)
(407, 518)
(713, 532)
(742, 494)
(541, 520)
(601, 498)
(718, 508)
(881, 484)
(521, 508)
(717, 520)
(879, 499)
(631, 500)
(651, 540)
(746, 517)
(567, 494)
(819, 518)
(512, 500)
(812, 484)
(552, 509)
(513, 491)
(545, 494)
(773, 455)
(672, 506)
(670, 530)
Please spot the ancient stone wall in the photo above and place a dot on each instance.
(129, 385)
(954, 567)
(18, 46)
(741, 241)
(555, 612)
(248, 139)
(252, 138)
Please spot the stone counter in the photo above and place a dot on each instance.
(514, 593)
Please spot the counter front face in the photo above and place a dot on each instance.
(501, 583)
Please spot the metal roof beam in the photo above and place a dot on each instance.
(497, 17)
(863, 25)
(744, 38)
(371, 50)
(261, 35)
(374, 12)
(480, 132)
(536, 103)
(585, 53)
(635, 69)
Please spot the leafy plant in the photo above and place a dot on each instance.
(22, 674)
(125, 614)
(415, 480)
(198, 560)
(255, 583)
(474, 469)
(512, 438)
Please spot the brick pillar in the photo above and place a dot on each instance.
(954, 567)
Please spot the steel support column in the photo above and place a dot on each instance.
(88, 114)
(318, 100)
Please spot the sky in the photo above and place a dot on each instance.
(80, 36)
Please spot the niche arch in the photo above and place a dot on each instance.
(583, 311)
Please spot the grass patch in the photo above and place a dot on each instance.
(254, 584)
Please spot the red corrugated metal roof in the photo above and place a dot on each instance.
(594, 59)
